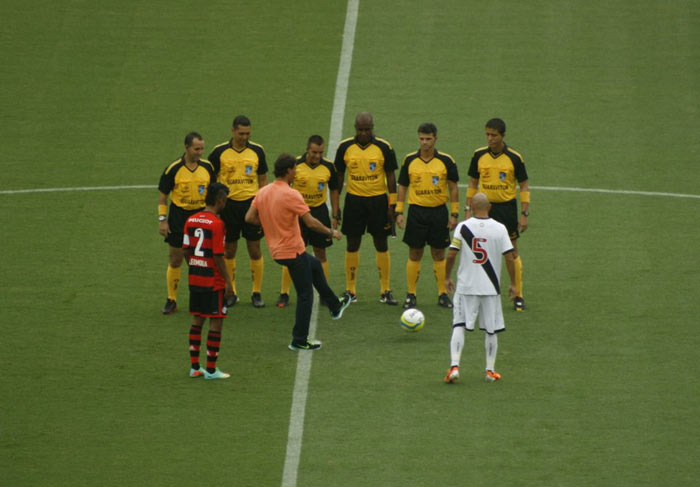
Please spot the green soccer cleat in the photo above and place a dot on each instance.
(194, 373)
(307, 345)
(217, 374)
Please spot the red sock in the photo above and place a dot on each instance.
(195, 345)
(213, 343)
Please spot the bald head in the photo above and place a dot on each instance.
(364, 125)
(480, 205)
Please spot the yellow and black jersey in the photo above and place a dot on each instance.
(187, 188)
(427, 180)
(314, 182)
(239, 170)
(366, 165)
(498, 175)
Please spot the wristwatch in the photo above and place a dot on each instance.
(162, 218)
(467, 208)
(525, 212)
(454, 215)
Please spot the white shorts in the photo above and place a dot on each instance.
(488, 308)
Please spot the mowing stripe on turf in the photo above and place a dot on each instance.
(301, 381)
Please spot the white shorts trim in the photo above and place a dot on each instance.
(488, 308)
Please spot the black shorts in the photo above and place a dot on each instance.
(506, 213)
(208, 304)
(427, 225)
(317, 240)
(176, 222)
(366, 213)
(233, 216)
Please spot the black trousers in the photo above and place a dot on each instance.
(306, 273)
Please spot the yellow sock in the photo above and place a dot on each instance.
(256, 268)
(231, 266)
(352, 262)
(172, 278)
(439, 270)
(384, 266)
(286, 280)
(412, 275)
(519, 276)
(325, 268)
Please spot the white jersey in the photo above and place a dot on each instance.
(481, 243)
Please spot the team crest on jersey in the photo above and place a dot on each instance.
(201, 188)
(372, 166)
(248, 170)
(320, 186)
(502, 176)
(436, 180)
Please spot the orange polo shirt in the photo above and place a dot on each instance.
(279, 208)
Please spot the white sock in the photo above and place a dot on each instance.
(456, 344)
(491, 344)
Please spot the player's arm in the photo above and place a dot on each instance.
(262, 179)
(315, 225)
(391, 186)
(454, 204)
(449, 264)
(472, 188)
(163, 227)
(335, 207)
(510, 266)
(220, 263)
(400, 202)
(524, 204)
(252, 216)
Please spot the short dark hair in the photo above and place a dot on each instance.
(215, 192)
(427, 128)
(241, 120)
(314, 139)
(283, 164)
(189, 138)
(497, 124)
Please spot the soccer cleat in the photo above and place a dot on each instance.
(257, 300)
(283, 300)
(307, 345)
(410, 302)
(344, 303)
(388, 298)
(352, 296)
(230, 302)
(217, 374)
(197, 372)
(492, 376)
(452, 375)
(519, 304)
(444, 301)
(170, 307)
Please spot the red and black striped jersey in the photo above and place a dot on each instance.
(204, 235)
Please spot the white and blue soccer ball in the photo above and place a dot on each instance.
(412, 320)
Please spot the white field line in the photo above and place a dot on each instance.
(301, 381)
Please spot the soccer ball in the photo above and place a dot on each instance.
(412, 320)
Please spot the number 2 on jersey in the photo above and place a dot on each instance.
(199, 233)
(479, 252)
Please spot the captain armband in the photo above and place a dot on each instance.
(392, 198)
(399, 207)
(525, 196)
(471, 192)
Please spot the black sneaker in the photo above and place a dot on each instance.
(350, 295)
(170, 307)
(388, 298)
(344, 303)
(257, 300)
(307, 345)
(283, 300)
(519, 304)
(444, 301)
(410, 302)
(231, 301)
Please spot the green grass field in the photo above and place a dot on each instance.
(600, 373)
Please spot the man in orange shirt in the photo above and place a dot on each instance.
(278, 207)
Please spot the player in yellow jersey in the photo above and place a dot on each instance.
(317, 181)
(241, 165)
(430, 179)
(186, 181)
(370, 163)
(496, 170)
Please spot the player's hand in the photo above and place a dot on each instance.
(467, 214)
(390, 213)
(164, 228)
(512, 292)
(399, 221)
(336, 234)
(228, 292)
(334, 223)
(452, 223)
(450, 285)
(522, 224)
